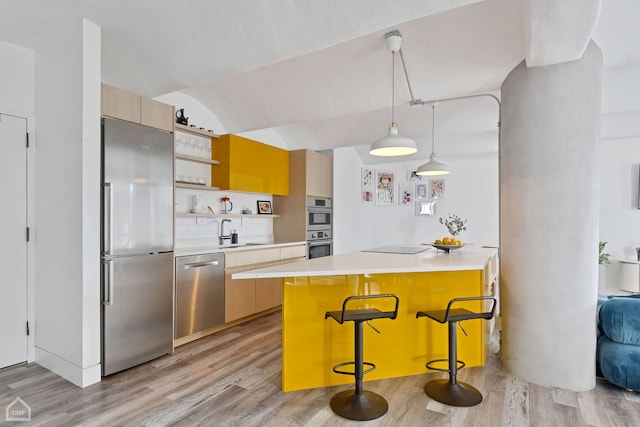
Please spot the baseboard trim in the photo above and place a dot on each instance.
(82, 377)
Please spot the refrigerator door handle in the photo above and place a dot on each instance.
(108, 221)
(201, 264)
(108, 291)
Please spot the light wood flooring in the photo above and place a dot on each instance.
(232, 378)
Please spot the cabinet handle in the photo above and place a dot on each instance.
(201, 264)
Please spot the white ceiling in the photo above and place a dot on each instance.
(318, 72)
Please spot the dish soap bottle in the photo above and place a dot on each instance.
(234, 237)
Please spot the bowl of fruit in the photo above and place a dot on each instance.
(447, 244)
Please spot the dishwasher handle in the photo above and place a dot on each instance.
(201, 264)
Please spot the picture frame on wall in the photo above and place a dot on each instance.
(405, 193)
(385, 187)
(421, 191)
(264, 207)
(366, 185)
(427, 207)
(436, 189)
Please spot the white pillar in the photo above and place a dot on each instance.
(67, 229)
(549, 210)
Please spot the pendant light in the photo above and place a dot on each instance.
(433, 167)
(393, 144)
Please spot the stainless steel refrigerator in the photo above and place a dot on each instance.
(137, 244)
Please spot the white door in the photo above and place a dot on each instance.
(13, 241)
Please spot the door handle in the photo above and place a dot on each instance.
(108, 283)
(201, 264)
(107, 212)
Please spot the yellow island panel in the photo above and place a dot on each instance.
(311, 345)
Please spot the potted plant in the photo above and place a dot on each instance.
(603, 262)
(603, 257)
(455, 225)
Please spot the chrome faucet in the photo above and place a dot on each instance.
(222, 237)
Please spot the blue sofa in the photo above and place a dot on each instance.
(618, 349)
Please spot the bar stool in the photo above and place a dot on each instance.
(360, 405)
(451, 391)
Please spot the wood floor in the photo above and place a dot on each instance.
(233, 379)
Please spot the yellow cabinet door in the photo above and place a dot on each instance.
(251, 166)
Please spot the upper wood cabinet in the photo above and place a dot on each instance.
(319, 174)
(251, 166)
(311, 174)
(156, 114)
(123, 105)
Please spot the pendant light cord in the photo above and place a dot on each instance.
(393, 86)
(433, 129)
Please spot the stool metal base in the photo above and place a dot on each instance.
(359, 407)
(458, 394)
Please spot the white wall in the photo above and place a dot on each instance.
(67, 233)
(619, 213)
(16, 79)
(471, 192)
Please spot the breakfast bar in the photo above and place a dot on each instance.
(426, 280)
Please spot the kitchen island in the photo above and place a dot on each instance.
(311, 345)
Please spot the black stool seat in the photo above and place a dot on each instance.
(360, 405)
(451, 391)
(453, 315)
(361, 315)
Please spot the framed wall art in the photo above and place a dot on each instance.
(366, 185)
(436, 189)
(385, 187)
(264, 207)
(405, 193)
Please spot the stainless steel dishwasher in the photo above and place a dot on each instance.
(199, 293)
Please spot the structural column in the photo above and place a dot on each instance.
(549, 211)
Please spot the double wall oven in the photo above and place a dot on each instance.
(319, 227)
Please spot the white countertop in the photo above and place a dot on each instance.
(466, 258)
(207, 249)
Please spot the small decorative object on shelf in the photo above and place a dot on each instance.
(264, 207)
(454, 224)
(180, 118)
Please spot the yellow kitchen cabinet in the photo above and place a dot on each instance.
(251, 166)
(123, 105)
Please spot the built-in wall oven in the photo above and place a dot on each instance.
(319, 227)
(319, 244)
(319, 214)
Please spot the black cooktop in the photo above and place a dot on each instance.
(408, 250)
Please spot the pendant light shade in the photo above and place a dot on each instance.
(393, 144)
(433, 167)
